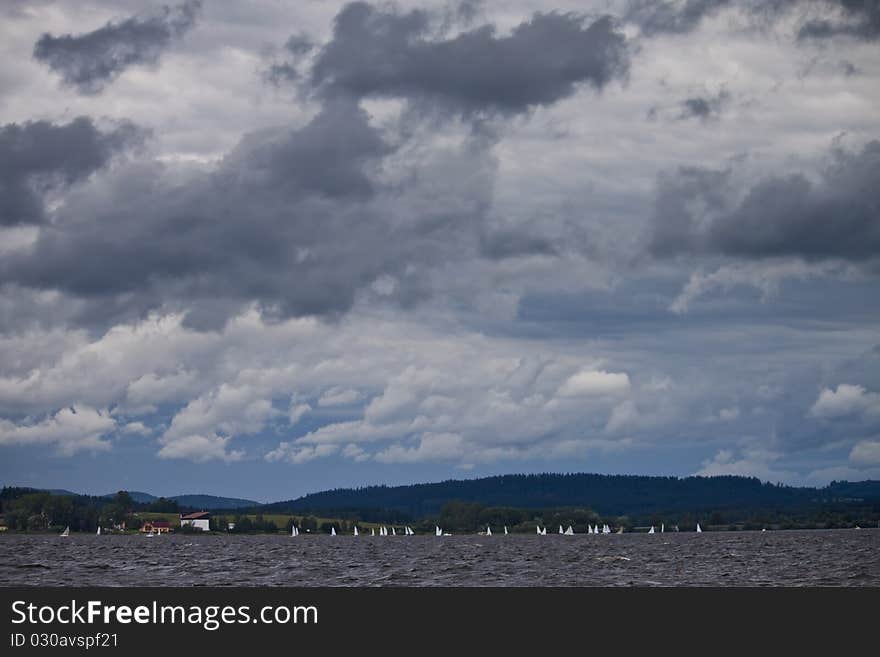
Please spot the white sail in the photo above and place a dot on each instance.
(393, 532)
(561, 530)
(372, 532)
(333, 531)
(699, 531)
(98, 533)
(356, 531)
(538, 529)
(488, 530)
(66, 531)
(662, 528)
(606, 529)
(569, 531)
(437, 531)
(294, 531)
(544, 531)
(651, 531)
(620, 529)
(505, 530)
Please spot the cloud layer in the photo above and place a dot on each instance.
(397, 242)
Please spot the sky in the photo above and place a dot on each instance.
(264, 248)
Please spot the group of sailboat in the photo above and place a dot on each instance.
(383, 531)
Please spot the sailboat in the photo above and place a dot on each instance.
(505, 530)
(66, 531)
(437, 531)
(294, 531)
(699, 531)
(606, 529)
(620, 529)
(589, 529)
(561, 531)
(356, 531)
(569, 531)
(651, 531)
(488, 530)
(662, 528)
(333, 531)
(98, 533)
(409, 531)
(372, 532)
(538, 529)
(150, 534)
(393, 532)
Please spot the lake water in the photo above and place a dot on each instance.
(778, 558)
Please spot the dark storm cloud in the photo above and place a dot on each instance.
(88, 62)
(38, 156)
(385, 53)
(835, 217)
(257, 227)
(291, 219)
(501, 244)
(857, 18)
(296, 47)
(824, 18)
(703, 107)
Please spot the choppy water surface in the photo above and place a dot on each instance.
(779, 558)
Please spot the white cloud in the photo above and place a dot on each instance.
(750, 461)
(866, 453)
(765, 277)
(297, 411)
(137, 428)
(200, 448)
(354, 452)
(623, 416)
(431, 447)
(848, 399)
(300, 455)
(337, 396)
(595, 382)
(70, 430)
(728, 414)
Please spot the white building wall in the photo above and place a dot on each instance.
(204, 524)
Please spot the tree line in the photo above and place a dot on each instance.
(27, 509)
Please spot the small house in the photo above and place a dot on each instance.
(200, 520)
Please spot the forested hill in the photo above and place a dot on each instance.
(605, 494)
